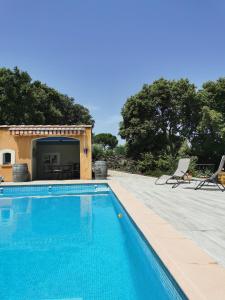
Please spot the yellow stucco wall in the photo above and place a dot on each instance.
(22, 145)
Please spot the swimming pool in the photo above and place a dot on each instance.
(75, 242)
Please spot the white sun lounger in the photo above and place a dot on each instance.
(178, 175)
(213, 179)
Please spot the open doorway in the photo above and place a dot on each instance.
(55, 158)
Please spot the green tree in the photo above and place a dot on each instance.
(107, 140)
(97, 152)
(23, 101)
(209, 139)
(159, 118)
(120, 150)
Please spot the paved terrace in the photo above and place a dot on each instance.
(199, 215)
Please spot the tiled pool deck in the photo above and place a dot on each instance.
(198, 215)
(198, 274)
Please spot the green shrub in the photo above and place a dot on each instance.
(97, 152)
(120, 150)
(146, 163)
(192, 167)
(166, 163)
(108, 153)
(185, 149)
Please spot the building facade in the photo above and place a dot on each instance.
(50, 151)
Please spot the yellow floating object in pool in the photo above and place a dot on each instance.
(120, 216)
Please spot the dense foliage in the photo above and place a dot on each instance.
(107, 140)
(169, 119)
(147, 164)
(209, 141)
(158, 118)
(23, 101)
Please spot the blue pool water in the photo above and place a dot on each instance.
(67, 242)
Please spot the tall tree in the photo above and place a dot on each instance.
(107, 140)
(209, 141)
(160, 117)
(25, 102)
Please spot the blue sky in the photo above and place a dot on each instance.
(102, 51)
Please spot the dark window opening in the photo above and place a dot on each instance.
(6, 158)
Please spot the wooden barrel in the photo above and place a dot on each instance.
(100, 169)
(20, 172)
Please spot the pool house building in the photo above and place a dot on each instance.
(48, 151)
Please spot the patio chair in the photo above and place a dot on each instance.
(1, 179)
(178, 175)
(214, 178)
(67, 171)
